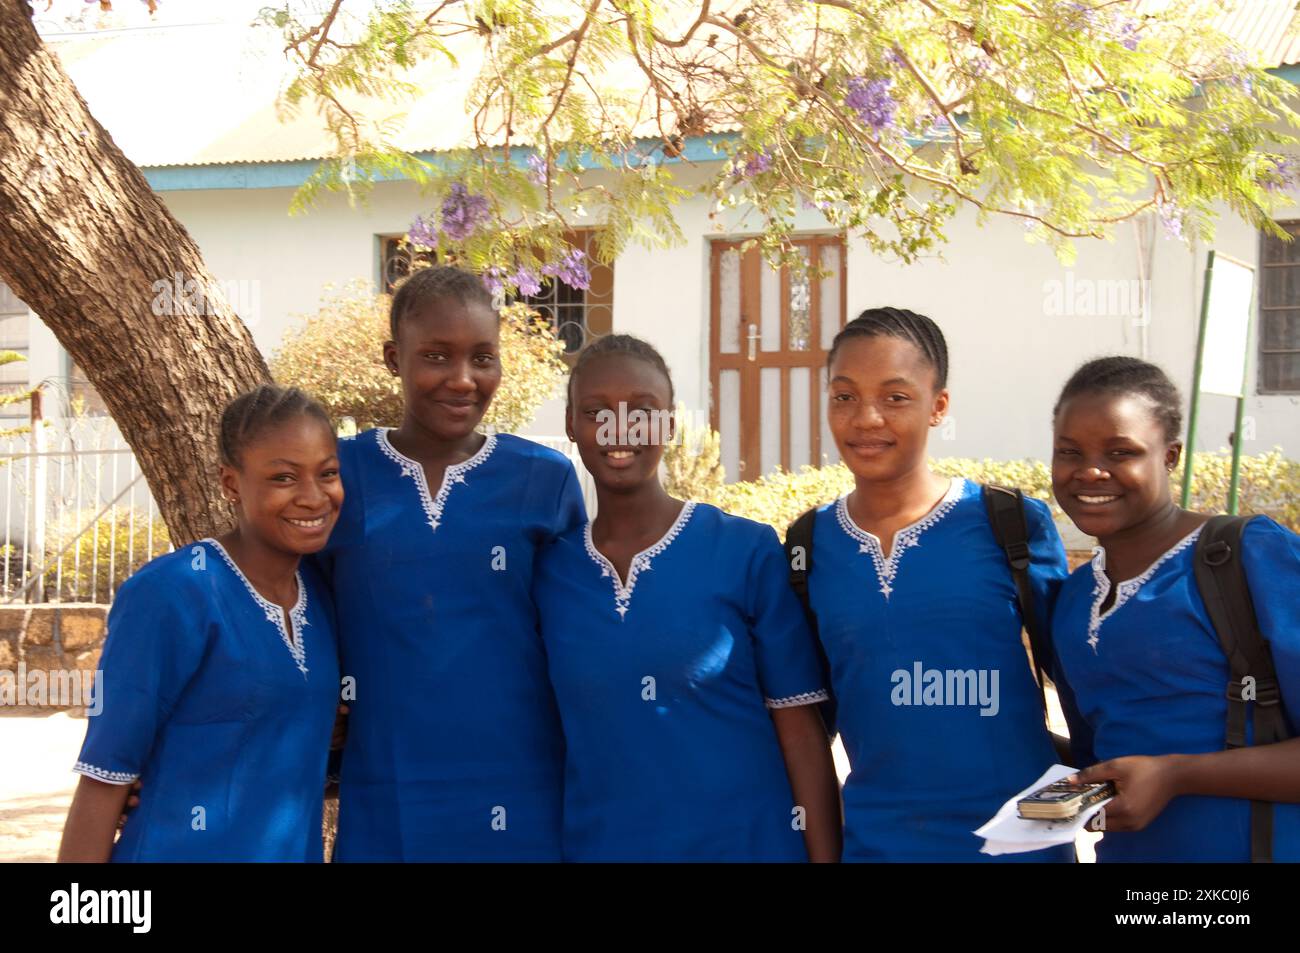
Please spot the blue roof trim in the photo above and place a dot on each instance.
(290, 175)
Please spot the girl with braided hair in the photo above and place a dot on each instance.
(917, 611)
(686, 677)
(454, 750)
(219, 676)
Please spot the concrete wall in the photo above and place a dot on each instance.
(50, 643)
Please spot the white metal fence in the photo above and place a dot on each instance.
(77, 517)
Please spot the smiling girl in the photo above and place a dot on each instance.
(219, 674)
(908, 579)
(454, 749)
(685, 673)
(1143, 669)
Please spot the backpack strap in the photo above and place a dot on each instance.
(1221, 580)
(1006, 512)
(798, 554)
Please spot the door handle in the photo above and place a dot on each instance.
(752, 337)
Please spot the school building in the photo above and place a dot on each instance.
(746, 344)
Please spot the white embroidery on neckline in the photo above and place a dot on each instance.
(904, 539)
(1127, 589)
(640, 562)
(293, 641)
(455, 473)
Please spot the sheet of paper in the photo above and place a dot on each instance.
(1009, 833)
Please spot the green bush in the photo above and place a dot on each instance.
(87, 562)
(1269, 482)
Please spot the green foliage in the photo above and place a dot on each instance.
(337, 357)
(109, 550)
(14, 396)
(1269, 484)
(1069, 116)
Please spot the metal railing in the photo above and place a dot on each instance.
(77, 514)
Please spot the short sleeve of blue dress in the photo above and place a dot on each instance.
(661, 683)
(222, 710)
(1148, 678)
(454, 749)
(158, 634)
(788, 668)
(931, 677)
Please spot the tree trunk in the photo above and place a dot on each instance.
(91, 249)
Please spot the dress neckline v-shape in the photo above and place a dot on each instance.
(641, 562)
(903, 539)
(434, 504)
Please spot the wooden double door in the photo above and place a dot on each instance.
(770, 332)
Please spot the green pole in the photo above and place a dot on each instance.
(1241, 410)
(1236, 457)
(1196, 384)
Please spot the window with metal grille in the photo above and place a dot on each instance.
(396, 260)
(1279, 313)
(576, 315)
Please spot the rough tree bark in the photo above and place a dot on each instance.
(83, 240)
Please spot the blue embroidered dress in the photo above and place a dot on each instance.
(664, 685)
(1148, 677)
(454, 748)
(221, 711)
(938, 709)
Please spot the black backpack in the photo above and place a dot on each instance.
(1006, 512)
(1221, 580)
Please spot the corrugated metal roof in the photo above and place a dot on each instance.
(178, 97)
(1266, 26)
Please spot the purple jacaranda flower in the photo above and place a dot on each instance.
(1280, 173)
(538, 169)
(423, 232)
(894, 57)
(527, 282)
(1128, 35)
(870, 99)
(462, 212)
(1239, 62)
(571, 269)
(1085, 13)
(494, 280)
(755, 164)
(1171, 217)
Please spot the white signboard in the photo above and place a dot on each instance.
(1227, 328)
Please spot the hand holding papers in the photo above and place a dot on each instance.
(1009, 833)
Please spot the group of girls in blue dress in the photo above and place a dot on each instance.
(524, 684)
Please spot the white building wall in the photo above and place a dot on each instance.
(989, 293)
